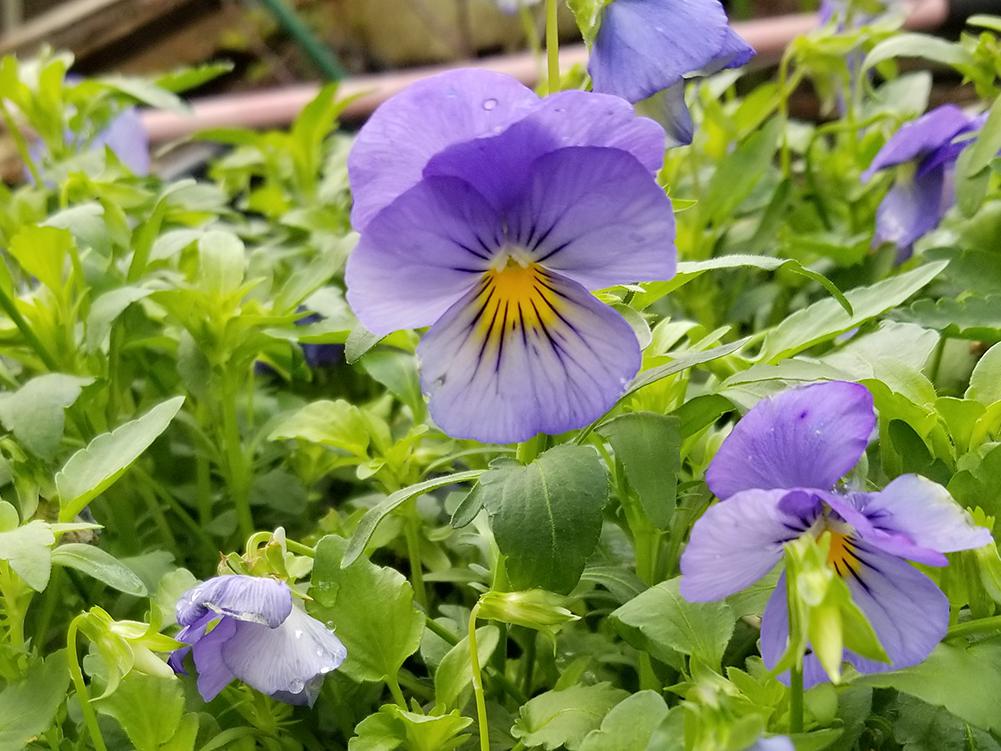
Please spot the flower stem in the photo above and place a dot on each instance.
(974, 627)
(412, 531)
(481, 702)
(394, 688)
(83, 696)
(236, 460)
(796, 699)
(553, 45)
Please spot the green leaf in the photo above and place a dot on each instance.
(559, 719)
(397, 371)
(917, 45)
(339, 425)
(28, 707)
(587, 14)
(28, 551)
(192, 76)
(360, 341)
(825, 319)
(736, 175)
(649, 447)
(374, 516)
(547, 516)
(664, 623)
(42, 253)
(148, 708)
(683, 362)
(105, 310)
(985, 381)
(92, 470)
(392, 727)
(223, 262)
(972, 317)
(35, 413)
(371, 608)
(963, 678)
(920, 727)
(455, 672)
(987, 143)
(145, 92)
(630, 725)
(101, 565)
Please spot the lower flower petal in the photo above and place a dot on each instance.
(287, 662)
(911, 209)
(527, 351)
(213, 674)
(737, 542)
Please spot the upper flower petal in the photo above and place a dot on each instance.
(396, 143)
(526, 351)
(247, 598)
(804, 437)
(734, 53)
(669, 108)
(643, 46)
(925, 514)
(737, 542)
(597, 216)
(421, 254)
(920, 137)
(913, 207)
(284, 662)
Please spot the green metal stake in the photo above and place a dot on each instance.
(318, 52)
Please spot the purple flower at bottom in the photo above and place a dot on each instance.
(249, 628)
(775, 475)
(650, 47)
(489, 215)
(923, 194)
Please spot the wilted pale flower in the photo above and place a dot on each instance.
(649, 47)
(776, 474)
(924, 191)
(488, 213)
(249, 628)
(511, 6)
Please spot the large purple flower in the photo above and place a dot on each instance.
(249, 628)
(923, 192)
(648, 47)
(776, 476)
(488, 213)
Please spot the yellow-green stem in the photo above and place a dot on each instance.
(83, 696)
(553, 45)
(481, 701)
(394, 688)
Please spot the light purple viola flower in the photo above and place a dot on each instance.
(512, 6)
(249, 628)
(645, 47)
(488, 214)
(126, 136)
(777, 477)
(775, 743)
(922, 195)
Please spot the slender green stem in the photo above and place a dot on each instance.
(528, 673)
(553, 46)
(531, 31)
(412, 532)
(796, 699)
(13, 609)
(236, 460)
(436, 628)
(83, 696)
(10, 308)
(937, 358)
(481, 701)
(977, 626)
(53, 596)
(394, 689)
(299, 549)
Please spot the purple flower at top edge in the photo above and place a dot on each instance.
(512, 6)
(248, 628)
(489, 214)
(775, 743)
(919, 200)
(776, 476)
(650, 47)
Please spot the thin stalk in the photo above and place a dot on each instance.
(974, 627)
(528, 674)
(796, 699)
(15, 614)
(552, 46)
(474, 661)
(531, 31)
(83, 696)
(394, 688)
(52, 597)
(10, 308)
(299, 549)
(411, 531)
(236, 460)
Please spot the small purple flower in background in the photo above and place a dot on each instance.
(512, 6)
(650, 47)
(126, 137)
(775, 475)
(250, 629)
(488, 214)
(924, 192)
(775, 743)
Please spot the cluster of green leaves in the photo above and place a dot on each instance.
(163, 401)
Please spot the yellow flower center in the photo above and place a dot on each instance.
(514, 296)
(841, 555)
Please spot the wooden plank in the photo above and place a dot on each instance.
(84, 26)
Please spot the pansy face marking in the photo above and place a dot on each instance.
(493, 228)
(777, 476)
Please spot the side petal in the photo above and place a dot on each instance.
(247, 598)
(596, 216)
(925, 514)
(213, 674)
(643, 47)
(737, 542)
(421, 254)
(669, 108)
(912, 208)
(922, 136)
(396, 143)
(734, 53)
(804, 437)
(526, 352)
(285, 662)
(908, 612)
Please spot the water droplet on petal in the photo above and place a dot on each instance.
(489, 104)
(298, 633)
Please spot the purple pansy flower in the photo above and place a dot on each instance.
(649, 47)
(776, 477)
(250, 628)
(126, 136)
(488, 214)
(922, 195)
